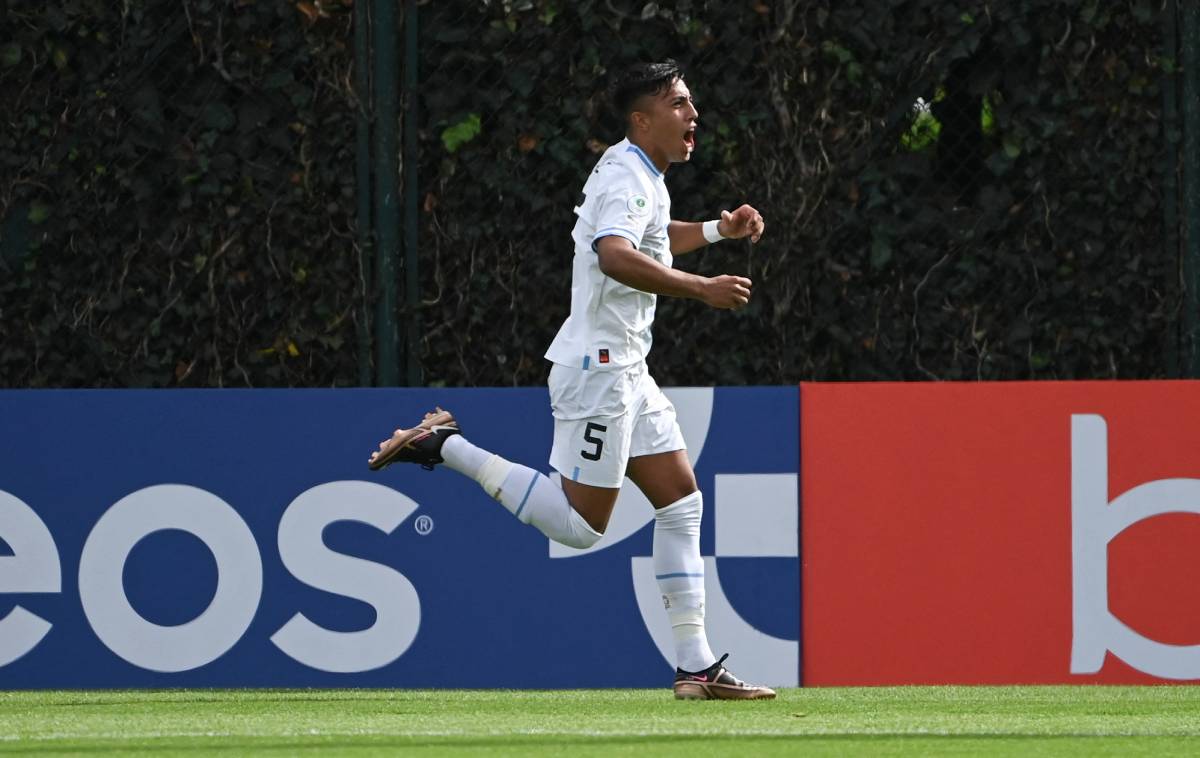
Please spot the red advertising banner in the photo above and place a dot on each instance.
(1001, 533)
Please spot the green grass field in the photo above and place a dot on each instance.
(876, 721)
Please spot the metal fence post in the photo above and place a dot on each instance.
(1190, 94)
(412, 295)
(362, 176)
(387, 226)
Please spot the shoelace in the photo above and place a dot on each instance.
(718, 668)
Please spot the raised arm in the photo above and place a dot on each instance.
(621, 261)
(687, 236)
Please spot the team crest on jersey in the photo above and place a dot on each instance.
(639, 204)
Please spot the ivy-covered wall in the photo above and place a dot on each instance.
(177, 194)
(1034, 250)
(956, 191)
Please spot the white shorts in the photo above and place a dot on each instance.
(602, 418)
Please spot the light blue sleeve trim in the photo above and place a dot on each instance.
(615, 232)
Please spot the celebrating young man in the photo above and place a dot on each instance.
(611, 420)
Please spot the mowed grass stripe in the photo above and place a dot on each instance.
(881, 721)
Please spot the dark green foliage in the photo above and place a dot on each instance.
(185, 183)
(180, 176)
(1046, 260)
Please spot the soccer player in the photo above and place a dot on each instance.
(611, 420)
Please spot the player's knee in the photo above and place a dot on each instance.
(582, 541)
(580, 534)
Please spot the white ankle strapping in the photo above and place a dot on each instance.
(492, 474)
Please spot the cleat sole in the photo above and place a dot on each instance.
(387, 454)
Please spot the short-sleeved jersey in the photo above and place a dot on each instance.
(609, 324)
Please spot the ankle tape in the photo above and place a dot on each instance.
(492, 475)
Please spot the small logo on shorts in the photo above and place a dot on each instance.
(604, 356)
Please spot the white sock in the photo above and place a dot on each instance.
(527, 494)
(462, 456)
(679, 570)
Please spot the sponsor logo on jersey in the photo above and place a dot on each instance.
(638, 204)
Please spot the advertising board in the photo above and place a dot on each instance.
(236, 538)
(1000, 533)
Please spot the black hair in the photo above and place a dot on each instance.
(642, 79)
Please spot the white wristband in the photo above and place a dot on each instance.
(710, 232)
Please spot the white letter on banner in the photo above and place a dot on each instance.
(33, 567)
(102, 565)
(1095, 523)
(304, 553)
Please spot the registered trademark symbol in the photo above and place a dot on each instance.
(423, 525)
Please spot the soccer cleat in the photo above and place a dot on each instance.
(421, 445)
(717, 683)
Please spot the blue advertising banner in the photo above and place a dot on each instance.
(235, 538)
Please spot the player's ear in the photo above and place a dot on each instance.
(638, 121)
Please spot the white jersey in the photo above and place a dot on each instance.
(609, 325)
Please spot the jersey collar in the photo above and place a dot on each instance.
(649, 164)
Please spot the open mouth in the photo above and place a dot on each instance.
(689, 139)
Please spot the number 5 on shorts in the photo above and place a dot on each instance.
(588, 436)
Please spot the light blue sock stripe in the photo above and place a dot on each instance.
(528, 490)
(676, 576)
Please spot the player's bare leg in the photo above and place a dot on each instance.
(663, 478)
(595, 504)
(669, 483)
